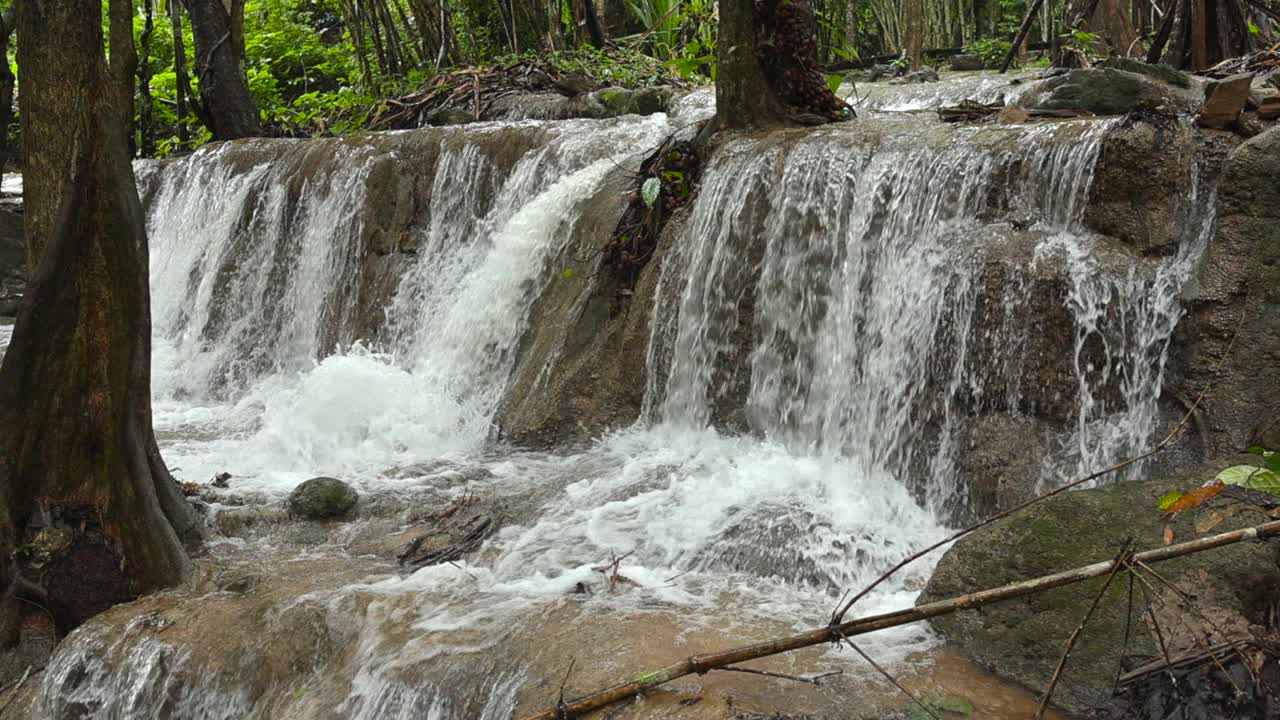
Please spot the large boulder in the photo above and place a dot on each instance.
(322, 498)
(1231, 339)
(1107, 91)
(1022, 640)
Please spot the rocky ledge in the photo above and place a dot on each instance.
(1195, 601)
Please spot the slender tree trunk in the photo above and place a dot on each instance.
(146, 144)
(183, 80)
(595, 32)
(8, 21)
(81, 478)
(224, 90)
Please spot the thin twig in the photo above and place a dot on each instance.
(812, 680)
(1191, 605)
(1122, 560)
(1164, 650)
(888, 677)
(562, 711)
(1128, 625)
(1166, 442)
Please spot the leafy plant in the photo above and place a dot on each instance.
(1085, 45)
(1264, 477)
(992, 51)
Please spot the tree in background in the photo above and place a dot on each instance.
(89, 515)
(229, 107)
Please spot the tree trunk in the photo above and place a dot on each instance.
(224, 91)
(146, 144)
(82, 484)
(8, 21)
(743, 96)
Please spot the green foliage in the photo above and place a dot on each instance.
(1264, 476)
(649, 191)
(992, 51)
(680, 32)
(1086, 45)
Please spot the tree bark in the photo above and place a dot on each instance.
(743, 96)
(79, 462)
(224, 90)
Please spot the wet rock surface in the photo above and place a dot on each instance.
(1235, 306)
(1023, 639)
(1108, 91)
(322, 498)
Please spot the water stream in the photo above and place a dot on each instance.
(815, 353)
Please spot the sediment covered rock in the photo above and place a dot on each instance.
(322, 498)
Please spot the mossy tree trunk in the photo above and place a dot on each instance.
(219, 52)
(768, 66)
(89, 515)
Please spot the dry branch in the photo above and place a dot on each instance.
(699, 664)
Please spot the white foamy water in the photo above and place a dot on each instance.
(986, 87)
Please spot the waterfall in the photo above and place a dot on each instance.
(857, 269)
(840, 306)
(261, 278)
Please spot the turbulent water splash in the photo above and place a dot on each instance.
(271, 284)
(862, 306)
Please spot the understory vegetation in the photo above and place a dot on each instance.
(321, 67)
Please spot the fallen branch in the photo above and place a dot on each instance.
(700, 664)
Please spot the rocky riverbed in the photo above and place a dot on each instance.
(854, 338)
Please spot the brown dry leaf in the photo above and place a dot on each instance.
(1168, 535)
(1215, 519)
(1197, 497)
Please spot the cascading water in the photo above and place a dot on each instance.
(867, 285)
(822, 304)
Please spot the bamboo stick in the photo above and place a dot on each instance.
(699, 664)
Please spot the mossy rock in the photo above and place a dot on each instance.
(1107, 91)
(322, 498)
(1023, 639)
(1163, 73)
(616, 100)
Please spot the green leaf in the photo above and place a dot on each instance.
(1254, 30)
(1252, 477)
(568, 273)
(649, 191)
(1170, 498)
(833, 82)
